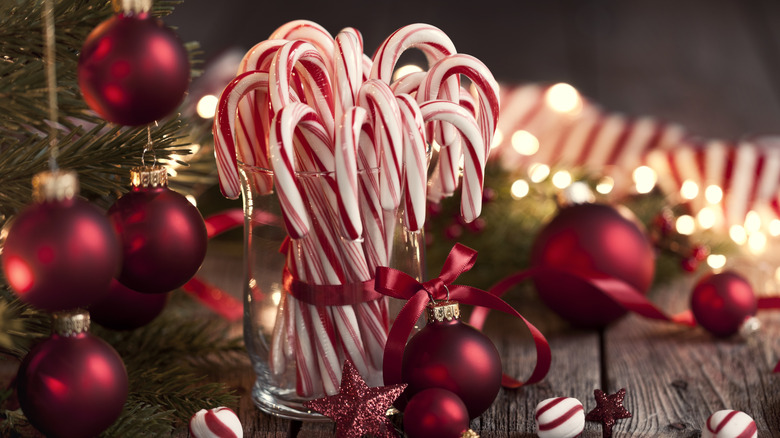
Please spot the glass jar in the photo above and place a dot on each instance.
(309, 303)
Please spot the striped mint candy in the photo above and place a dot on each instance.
(216, 423)
(730, 424)
(559, 417)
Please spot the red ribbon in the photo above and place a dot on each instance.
(397, 284)
(329, 294)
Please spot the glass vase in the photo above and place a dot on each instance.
(309, 303)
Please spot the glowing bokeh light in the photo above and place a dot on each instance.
(645, 179)
(524, 143)
(498, 138)
(689, 189)
(561, 179)
(685, 225)
(538, 172)
(738, 234)
(757, 242)
(405, 70)
(752, 221)
(207, 106)
(563, 98)
(706, 218)
(713, 194)
(716, 261)
(605, 185)
(519, 189)
(774, 228)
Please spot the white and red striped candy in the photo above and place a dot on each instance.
(559, 417)
(729, 424)
(216, 423)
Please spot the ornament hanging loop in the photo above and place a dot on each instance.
(51, 81)
(149, 148)
(132, 7)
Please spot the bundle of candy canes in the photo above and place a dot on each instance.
(305, 102)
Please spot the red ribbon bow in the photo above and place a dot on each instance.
(397, 284)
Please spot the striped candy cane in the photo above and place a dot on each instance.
(310, 32)
(415, 162)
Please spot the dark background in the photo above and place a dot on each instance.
(711, 65)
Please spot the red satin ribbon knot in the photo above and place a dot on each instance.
(397, 284)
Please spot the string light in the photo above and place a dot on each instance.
(524, 143)
(605, 185)
(405, 70)
(645, 179)
(716, 261)
(757, 243)
(738, 234)
(752, 222)
(685, 225)
(207, 106)
(774, 228)
(519, 189)
(561, 179)
(563, 98)
(276, 297)
(713, 194)
(538, 172)
(689, 189)
(706, 218)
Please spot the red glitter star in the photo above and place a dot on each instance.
(609, 409)
(357, 409)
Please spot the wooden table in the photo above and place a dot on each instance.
(675, 377)
(713, 66)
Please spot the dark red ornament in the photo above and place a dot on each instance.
(125, 309)
(133, 69)
(73, 384)
(452, 355)
(609, 409)
(590, 241)
(722, 302)
(61, 252)
(163, 236)
(435, 412)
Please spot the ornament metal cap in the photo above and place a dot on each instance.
(442, 311)
(129, 7)
(55, 185)
(70, 323)
(149, 176)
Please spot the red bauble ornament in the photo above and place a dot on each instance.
(451, 355)
(435, 412)
(73, 384)
(722, 302)
(125, 309)
(61, 252)
(133, 69)
(590, 241)
(163, 236)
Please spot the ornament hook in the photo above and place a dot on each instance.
(149, 147)
(51, 81)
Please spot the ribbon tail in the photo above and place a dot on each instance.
(215, 299)
(480, 314)
(769, 303)
(399, 334)
(631, 299)
(476, 297)
(777, 368)
(222, 222)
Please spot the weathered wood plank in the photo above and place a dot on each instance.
(676, 377)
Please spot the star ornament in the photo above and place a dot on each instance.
(609, 409)
(357, 409)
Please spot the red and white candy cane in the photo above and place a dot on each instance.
(415, 162)
(308, 31)
(347, 138)
(408, 84)
(224, 129)
(347, 70)
(436, 45)
(304, 58)
(481, 79)
(376, 97)
(474, 153)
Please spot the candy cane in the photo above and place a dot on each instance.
(474, 163)
(347, 138)
(310, 65)
(436, 45)
(415, 162)
(347, 70)
(408, 84)
(308, 31)
(377, 97)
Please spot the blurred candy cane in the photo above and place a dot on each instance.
(415, 162)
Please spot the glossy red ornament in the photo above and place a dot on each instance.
(163, 236)
(590, 241)
(60, 254)
(435, 412)
(125, 309)
(452, 355)
(73, 384)
(133, 69)
(722, 302)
